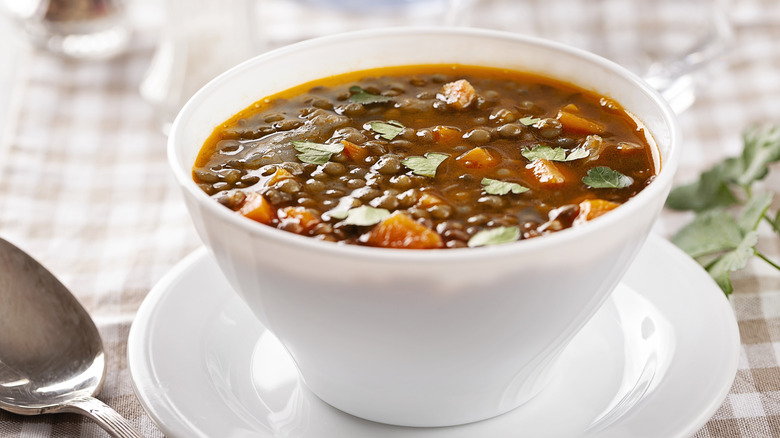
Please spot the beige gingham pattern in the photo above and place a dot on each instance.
(85, 188)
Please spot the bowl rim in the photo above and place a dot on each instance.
(663, 180)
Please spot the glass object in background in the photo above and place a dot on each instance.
(665, 41)
(201, 39)
(88, 29)
(281, 22)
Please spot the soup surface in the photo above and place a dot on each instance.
(437, 156)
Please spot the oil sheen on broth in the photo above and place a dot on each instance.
(425, 157)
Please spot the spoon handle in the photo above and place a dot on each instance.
(107, 418)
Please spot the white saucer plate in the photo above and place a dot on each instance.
(656, 361)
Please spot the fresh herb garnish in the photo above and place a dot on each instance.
(341, 210)
(338, 214)
(733, 260)
(425, 166)
(723, 234)
(553, 154)
(528, 121)
(365, 215)
(496, 187)
(717, 187)
(494, 236)
(605, 178)
(360, 95)
(316, 153)
(544, 152)
(577, 154)
(387, 130)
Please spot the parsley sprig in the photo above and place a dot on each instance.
(316, 153)
(425, 165)
(387, 130)
(554, 154)
(494, 236)
(723, 235)
(603, 177)
(497, 187)
(360, 95)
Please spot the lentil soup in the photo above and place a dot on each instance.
(436, 156)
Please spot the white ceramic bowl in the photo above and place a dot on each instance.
(411, 337)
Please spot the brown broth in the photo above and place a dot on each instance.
(510, 112)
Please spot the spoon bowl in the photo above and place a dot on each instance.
(51, 354)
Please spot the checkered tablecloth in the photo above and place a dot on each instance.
(85, 188)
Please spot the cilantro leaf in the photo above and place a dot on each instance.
(362, 96)
(528, 121)
(722, 244)
(341, 210)
(718, 241)
(776, 223)
(577, 154)
(715, 187)
(544, 152)
(366, 215)
(762, 147)
(553, 154)
(496, 187)
(711, 232)
(755, 210)
(710, 191)
(316, 153)
(715, 237)
(338, 214)
(387, 130)
(494, 236)
(733, 261)
(425, 166)
(605, 178)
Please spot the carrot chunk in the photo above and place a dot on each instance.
(428, 200)
(279, 175)
(546, 172)
(257, 208)
(401, 231)
(593, 208)
(458, 94)
(354, 152)
(301, 216)
(446, 134)
(478, 158)
(576, 123)
(571, 108)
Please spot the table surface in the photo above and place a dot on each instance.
(85, 188)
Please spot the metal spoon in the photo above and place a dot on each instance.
(51, 354)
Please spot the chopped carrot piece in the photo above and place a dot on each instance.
(593, 208)
(354, 152)
(428, 200)
(401, 231)
(459, 94)
(575, 123)
(446, 134)
(478, 158)
(571, 108)
(546, 172)
(279, 175)
(300, 215)
(257, 208)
